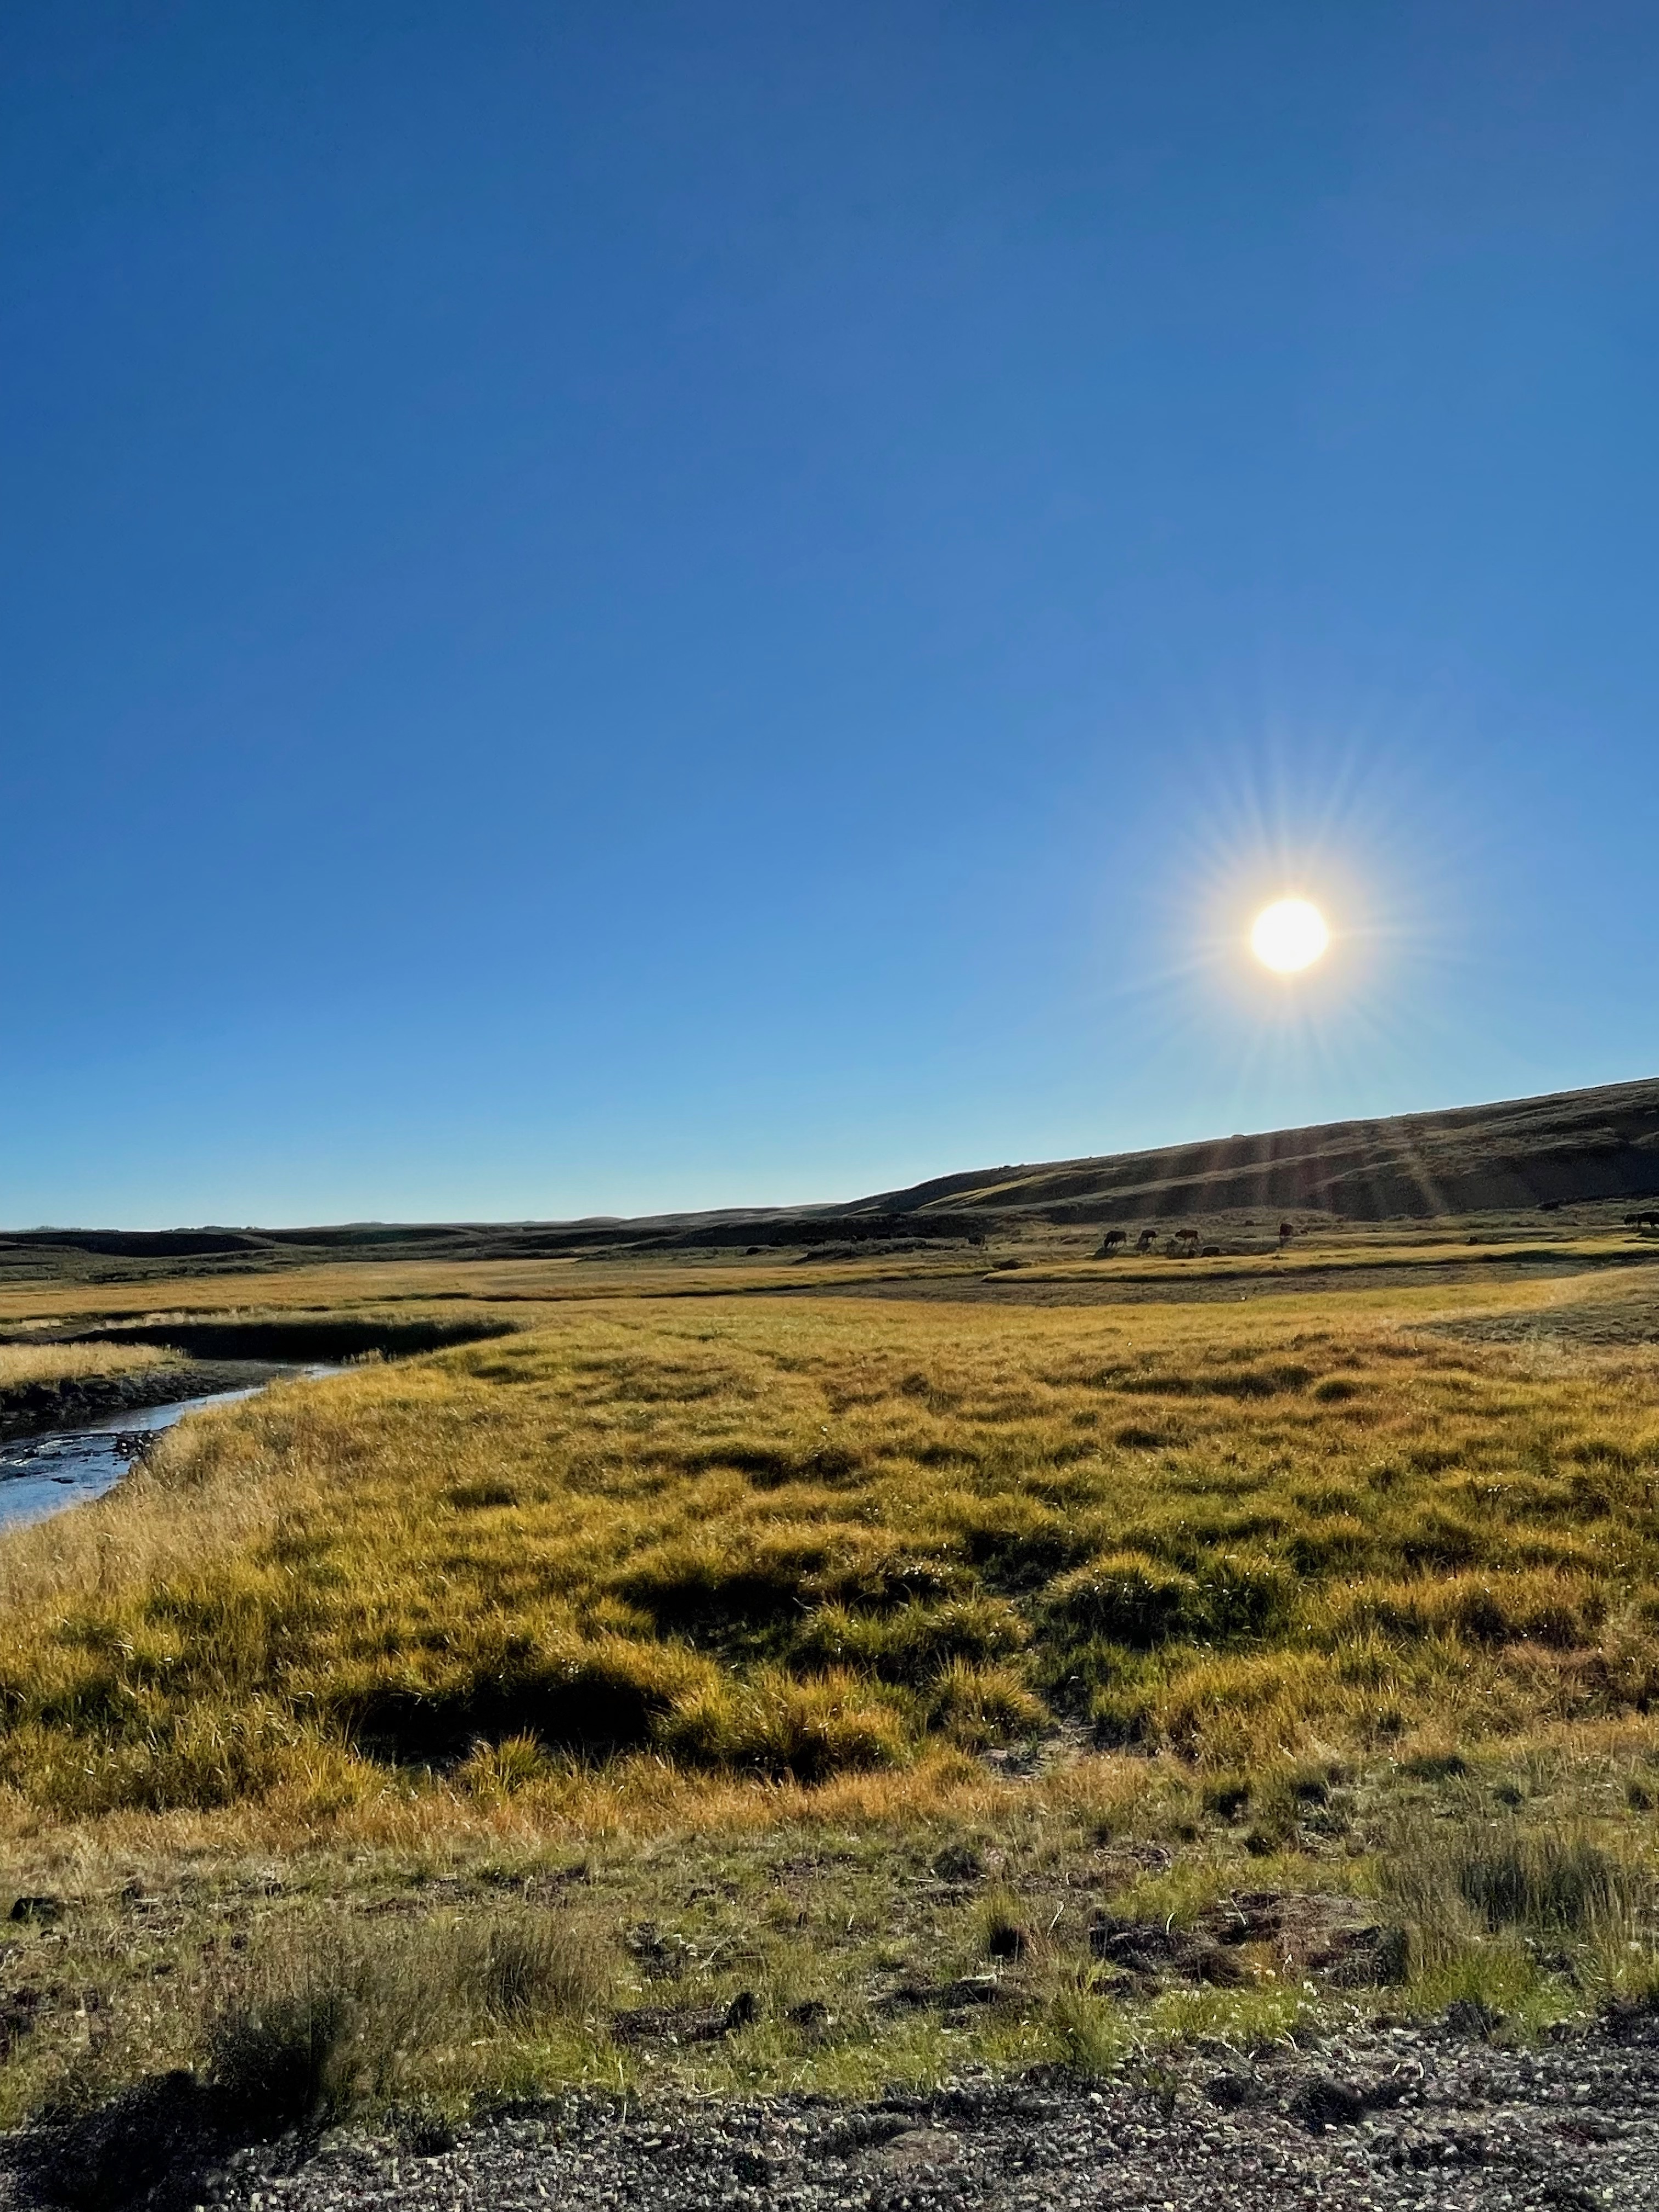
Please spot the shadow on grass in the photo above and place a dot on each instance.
(588, 1708)
(309, 1337)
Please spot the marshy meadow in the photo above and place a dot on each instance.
(703, 1679)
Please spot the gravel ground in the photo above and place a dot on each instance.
(1404, 2117)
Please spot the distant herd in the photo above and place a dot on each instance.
(1183, 1244)
(1187, 1244)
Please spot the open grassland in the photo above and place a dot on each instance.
(1015, 1260)
(829, 1689)
(55, 1302)
(799, 1539)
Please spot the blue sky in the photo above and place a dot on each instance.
(606, 609)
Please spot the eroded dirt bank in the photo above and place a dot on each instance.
(75, 1401)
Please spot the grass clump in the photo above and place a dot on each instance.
(1004, 1932)
(294, 2052)
(1514, 1922)
(335, 2024)
(1552, 1882)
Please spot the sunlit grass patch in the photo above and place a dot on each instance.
(857, 1650)
(24, 1364)
(792, 1541)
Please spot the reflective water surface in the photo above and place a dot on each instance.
(44, 1473)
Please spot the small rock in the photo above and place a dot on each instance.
(921, 2146)
(1324, 2102)
(1473, 2016)
(1231, 2091)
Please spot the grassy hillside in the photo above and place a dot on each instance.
(1579, 1147)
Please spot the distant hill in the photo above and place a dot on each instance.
(1574, 1147)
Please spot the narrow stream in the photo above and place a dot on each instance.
(56, 1468)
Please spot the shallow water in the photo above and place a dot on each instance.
(56, 1468)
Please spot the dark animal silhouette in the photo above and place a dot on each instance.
(1146, 1239)
(1286, 1231)
(1113, 1238)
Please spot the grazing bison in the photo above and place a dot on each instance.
(1113, 1238)
(1146, 1239)
(1286, 1231)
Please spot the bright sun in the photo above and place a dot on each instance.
(1288, 935)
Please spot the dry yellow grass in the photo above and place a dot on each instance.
(371, 1285)
(784, 1541)
(720, 1618)
(23, 1364)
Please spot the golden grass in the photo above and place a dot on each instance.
(23, 1364)
(784, 1541)
(815, 1913)
(738, 1610)
(368, 1285)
